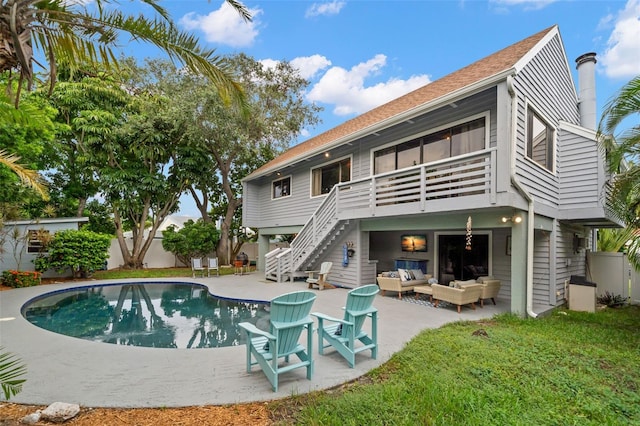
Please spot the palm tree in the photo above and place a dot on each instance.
(67, 32)
(623, 153)
(30, 178)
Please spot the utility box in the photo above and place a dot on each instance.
(582, 294)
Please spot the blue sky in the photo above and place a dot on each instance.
(359, 54)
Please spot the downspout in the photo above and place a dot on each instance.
(525, 194)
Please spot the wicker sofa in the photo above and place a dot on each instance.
(390, 283)
(469, 293)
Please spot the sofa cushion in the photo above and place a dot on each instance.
(417, 274)
(404, 275)
(463, 284)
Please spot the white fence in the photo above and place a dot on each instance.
(612, 273)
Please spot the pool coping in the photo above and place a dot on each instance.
(93, 374)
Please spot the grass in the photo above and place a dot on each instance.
(568, 368)
(114, 274)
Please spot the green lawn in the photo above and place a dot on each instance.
(568, 368)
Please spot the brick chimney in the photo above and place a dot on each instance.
(586, 66)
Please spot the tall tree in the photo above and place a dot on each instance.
(89, 108)
(76, 32)
(138, 176)
(222, 145)
(623, 149)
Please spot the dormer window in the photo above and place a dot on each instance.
(539, 140)
(281, 187)
(324, 178)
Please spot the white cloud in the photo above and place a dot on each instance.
(318, 9)
(224, 26)
(621, 59)
(307, 66)
(346, 88)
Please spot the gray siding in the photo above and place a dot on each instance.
(541, 263)
(545, 84)
(578, 164)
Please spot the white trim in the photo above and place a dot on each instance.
(530, 105)
(331, 161)
(487, 134)
(578, 130)
(290, 177)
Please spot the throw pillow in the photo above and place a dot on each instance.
(393, 274)
(386, 274)
(404, 275)
(417, 273)
(432, 281)
(483, 279)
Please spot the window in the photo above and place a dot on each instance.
(37, 241)
(281, 187)
(445, 143)
(324, 178)
(539, 141)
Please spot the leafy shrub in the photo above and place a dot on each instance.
(18, 279)
(611, 300)
(195, 239)
(80, 251)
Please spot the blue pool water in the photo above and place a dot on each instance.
(158, 315)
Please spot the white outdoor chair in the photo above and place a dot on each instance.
(212, 265)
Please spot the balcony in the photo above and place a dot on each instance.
(451, 184)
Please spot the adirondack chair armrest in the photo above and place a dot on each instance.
(252, 329)
(284, 325)
(330, 318)
(369, 311)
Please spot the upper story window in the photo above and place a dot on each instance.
(37, 241)
(445, 143)
(539, 140)
(281, 187)
(325, 177)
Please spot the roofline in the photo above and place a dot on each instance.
(48, 220)
(477, 86)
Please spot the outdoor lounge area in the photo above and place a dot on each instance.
(62, 368)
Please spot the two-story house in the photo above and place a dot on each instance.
(503, 151)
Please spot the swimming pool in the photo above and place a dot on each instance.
(158, 315)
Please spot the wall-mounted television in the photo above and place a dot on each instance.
(414, 243)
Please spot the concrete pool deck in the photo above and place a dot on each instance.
(91, 374)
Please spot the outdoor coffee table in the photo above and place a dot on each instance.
(424, 289)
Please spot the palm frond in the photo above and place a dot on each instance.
(30, 178)
(11, 369)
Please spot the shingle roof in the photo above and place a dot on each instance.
(491, 65)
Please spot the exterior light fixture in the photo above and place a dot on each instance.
(513, 219)
(326, 154)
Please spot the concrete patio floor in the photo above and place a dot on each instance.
(62, 368)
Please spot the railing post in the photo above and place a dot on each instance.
(372, 196)
(493, 197)
(423, 188)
